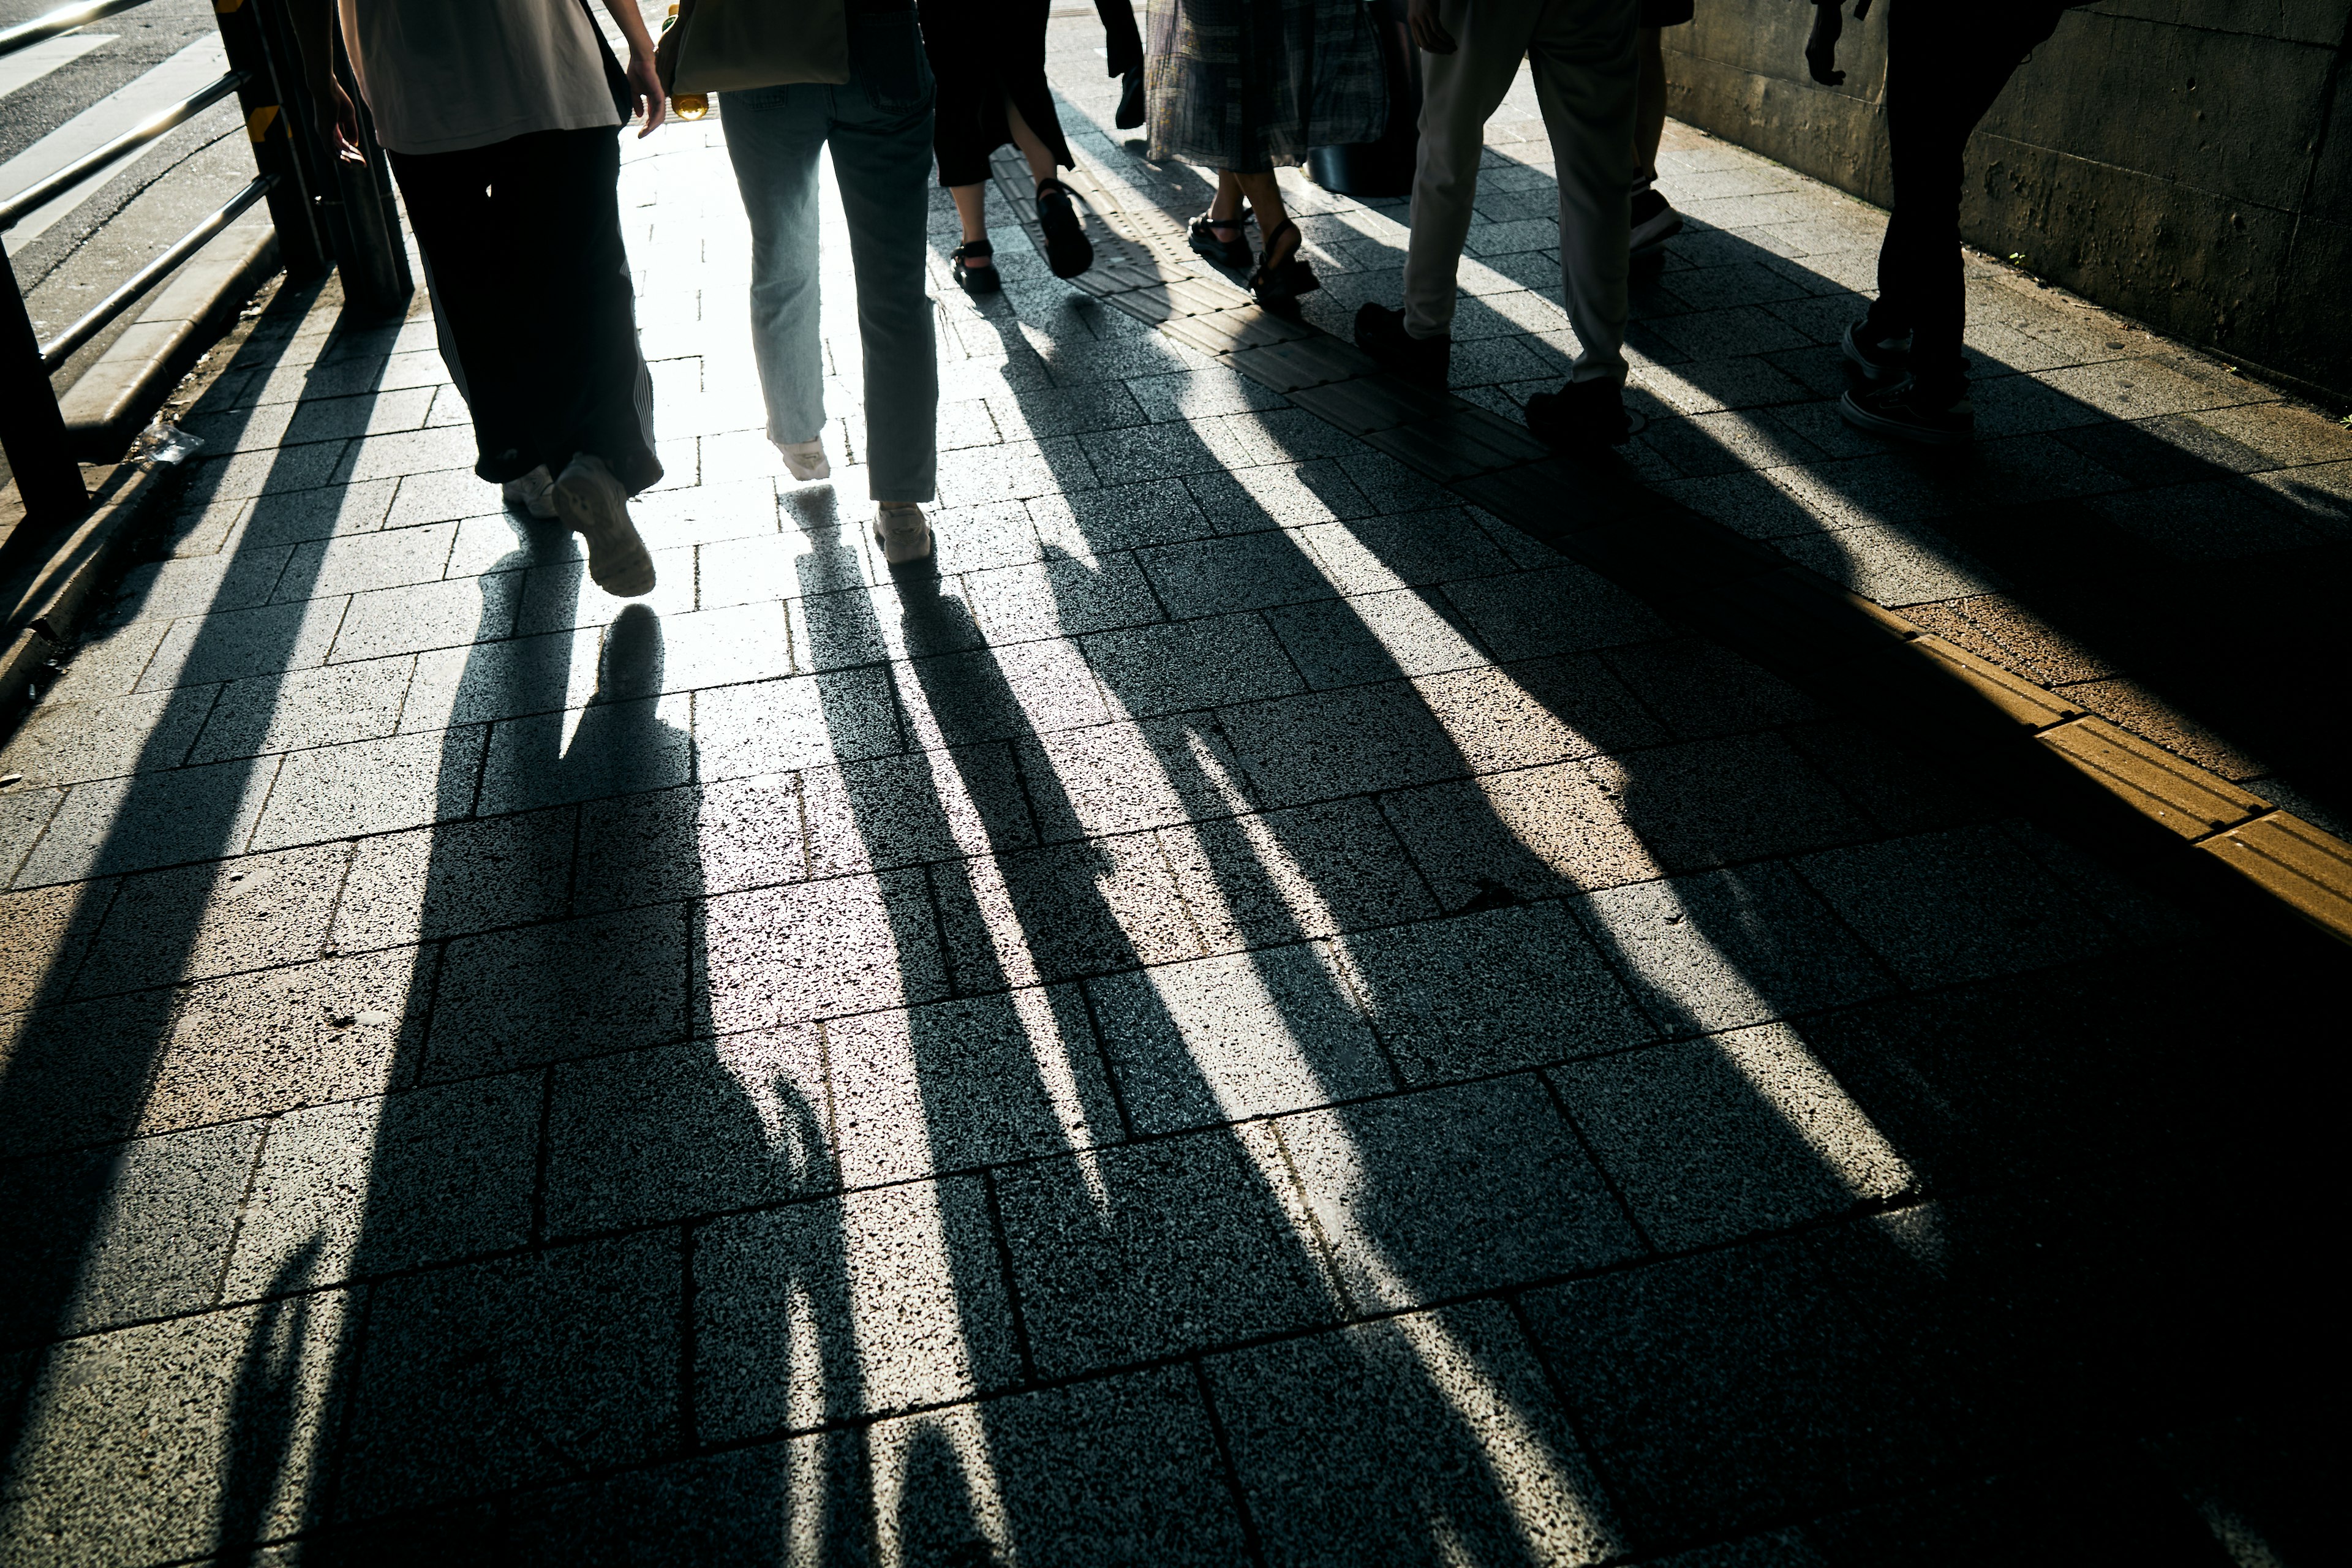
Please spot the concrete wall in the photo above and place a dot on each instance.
(2184, 162)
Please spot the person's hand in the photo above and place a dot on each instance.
(1821, 49)
(645, 92)
(341, 120)
(1420, 19)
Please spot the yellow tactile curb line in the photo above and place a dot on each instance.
(1732, 589)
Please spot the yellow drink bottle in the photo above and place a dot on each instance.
(685, 105)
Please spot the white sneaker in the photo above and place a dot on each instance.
(805, 459)
(592, 501)
(534, 493)
(902, 533)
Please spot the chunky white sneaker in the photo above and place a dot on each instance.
(592, 501)
(534, 493)
(902, 533)
(805, 459)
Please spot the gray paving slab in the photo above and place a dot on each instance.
(455, 879)
(68, 742)
(1720, 802)
(167, 590)
(257, 642)
(809, 722)
(865, 1304)
(427, 616)
(45, 934)
(361, 564)
(372, 787)
(553, 993)
(1375, 636)
(1313, 871)
(586, 753)
(1488, 992)
(332, 705)
(1121, 778)
(1450, 1191)
(847, 944)
(1895, 896)
(1421, 1439)
(387, 1184)
(1063, 911)
(497, 1374)
(1156, 1249)
(958, 1085)
(1223, 1039)
(147, 820)
(1191, 664)
(197, 922)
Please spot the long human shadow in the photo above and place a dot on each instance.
(79, 1072)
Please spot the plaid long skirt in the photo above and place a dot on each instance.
(1245, 85)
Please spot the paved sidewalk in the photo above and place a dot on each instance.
(1259, 1016)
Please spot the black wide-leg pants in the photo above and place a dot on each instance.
(534, 300)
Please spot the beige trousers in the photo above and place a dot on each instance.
(1583, 53)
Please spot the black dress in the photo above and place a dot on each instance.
(983, 52)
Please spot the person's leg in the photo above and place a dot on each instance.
(1459, 93)
(774, 136)
(1584, 55)
(881, 161)
(1040, 157)
(1262, 195)
(1649, 105)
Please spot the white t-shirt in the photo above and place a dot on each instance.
(441, 76)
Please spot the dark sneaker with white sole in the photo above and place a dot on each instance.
(1879, 358)
(1582, 413)
(1900, 411)
(1425, 361)
(1654, 220)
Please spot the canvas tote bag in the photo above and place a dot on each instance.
(726, 46)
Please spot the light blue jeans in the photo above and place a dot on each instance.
(879, 126)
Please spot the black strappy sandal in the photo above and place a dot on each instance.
(1276, 285)
(1234, 252)
(976, 279)
(1068, 251)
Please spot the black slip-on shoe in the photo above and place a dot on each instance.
(1425, 361)
(1900, 412)
(1654, 221)
(1068, 251)
(1582, 414)
(1879, 358)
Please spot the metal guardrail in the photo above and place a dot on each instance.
(326, 212)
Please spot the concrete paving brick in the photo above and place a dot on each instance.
(44, 934)
(1248, 573)
(886, 1300)
(775, 726)
(362, 563)
(1016, 470)
(960, 698)
(1065, 597)
(744, 508)
(265, 641)
(1261, 880)
(78, 1073)
(2146, 713)
(1375, 636)
(1278, 495)
(1191, 664)
(499, 1374)
(1327, 745)
(1802, 1401)
(252, 1045)
(196, 921)
(553, 993)
(1897, 894)
(454, 879)
(557, 594)
(237, 475)
(332, 705)
(2215, 521)
(675, 844)
(428, 616)
(409, 452)
(1566, 610)
(1450, 1191)
(1062, 911)
(24, 814)
(2139, 388)
(1121, 778)
(1199, 395)
(1222, 1039)
(1186, 1247)
(956, 1085)
(1488, 992)
(1699, 688)
(107, 663)
(1727, 948)
(618, 748)
(892, 812)
(154, 1442)
(147, 820)
(488, 681)
(1096, 523)
(1036, 412)
(149, 1233)
(67, 742)
(1416, 1440)
(1895, 788)
(372, 786)
(1544, 711)
(389, 1184)
(167, 590)
(651, 1136)
(851, 944)
(1892, 566)
(1714, 1138)
(778, 566)
(1704, 802)
(724, 648)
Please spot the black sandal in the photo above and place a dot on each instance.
(1234, 252)
(1068, 251)
(976, 279)
(1276, 285)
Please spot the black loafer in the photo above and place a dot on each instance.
(1880, 359)
(1582, 413)
(1900, 411)
(1068, 251)
(1425, 361)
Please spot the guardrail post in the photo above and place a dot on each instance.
(32, 431)
(272, 101)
